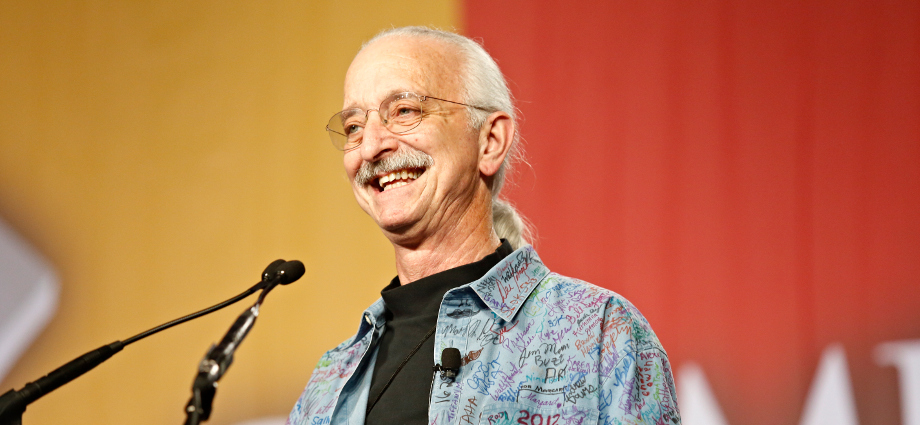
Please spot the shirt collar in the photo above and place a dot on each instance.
(422, 298)
(505, 287)
(373, 318)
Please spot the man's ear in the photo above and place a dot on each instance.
(495, 139)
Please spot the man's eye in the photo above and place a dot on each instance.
(352, 129)
(352, 124)
(405, 112)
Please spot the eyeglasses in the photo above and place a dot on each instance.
(399, 113)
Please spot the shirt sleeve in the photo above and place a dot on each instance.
(637, 386)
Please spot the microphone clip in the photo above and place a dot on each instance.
(447, 373)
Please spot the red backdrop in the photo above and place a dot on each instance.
(747, 173)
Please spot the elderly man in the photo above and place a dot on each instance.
(428, 132)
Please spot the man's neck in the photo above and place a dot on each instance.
(468, 241)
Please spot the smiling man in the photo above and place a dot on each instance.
(427, 134)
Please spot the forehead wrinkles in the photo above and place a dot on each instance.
(400, 63)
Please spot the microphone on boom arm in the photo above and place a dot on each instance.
(13, 403)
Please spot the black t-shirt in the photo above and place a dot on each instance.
(411, 313)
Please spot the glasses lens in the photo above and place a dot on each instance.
(403, 112)
(345, 128)
(399, 113)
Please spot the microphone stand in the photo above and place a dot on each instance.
(13, 403)
(214, 365)
(220, 356)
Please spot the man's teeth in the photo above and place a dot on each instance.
(404, 177)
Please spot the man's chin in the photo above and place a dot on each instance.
(400, 230)
(394, 225)
(393, 208)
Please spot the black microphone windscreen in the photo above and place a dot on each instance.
(272, 269)
(450, 358)
(291, 271)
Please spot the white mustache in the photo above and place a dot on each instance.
(401, 160)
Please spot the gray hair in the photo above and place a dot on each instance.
(483, 86)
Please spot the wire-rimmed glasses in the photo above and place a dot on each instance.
(399, 113)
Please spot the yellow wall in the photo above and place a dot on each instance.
(160, 154)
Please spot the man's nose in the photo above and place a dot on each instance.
(376, 139)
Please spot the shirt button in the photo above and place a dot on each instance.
(367, 318)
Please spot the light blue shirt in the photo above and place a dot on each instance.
(538, 349)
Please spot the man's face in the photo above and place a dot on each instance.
(430, 197)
